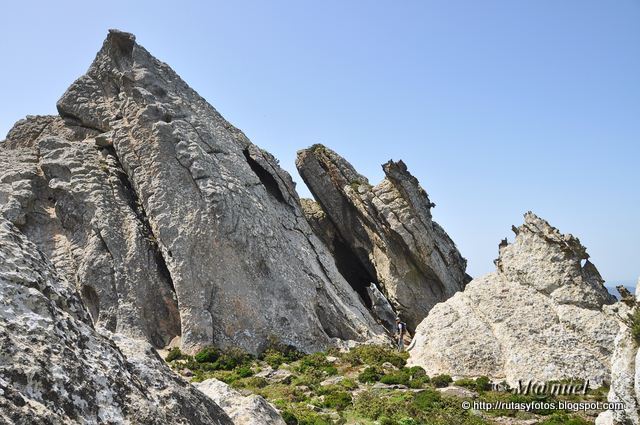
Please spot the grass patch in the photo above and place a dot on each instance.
(302, 400)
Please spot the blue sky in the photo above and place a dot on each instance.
(498, 107)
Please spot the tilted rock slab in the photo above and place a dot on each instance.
(243, 410)
(143, 190)
(625, 373)
(542, 315)
(70, 196)
(387, 230)
(56, 369)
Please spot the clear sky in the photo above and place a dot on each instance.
(498, 107)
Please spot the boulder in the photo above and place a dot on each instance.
(169, 221)
(56, 368)
(243, 410)
(543, 315)
(383, 234)
(625, 374)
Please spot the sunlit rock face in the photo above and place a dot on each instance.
(544, 314)
(56, 368)
(168, 220)
(382, 234)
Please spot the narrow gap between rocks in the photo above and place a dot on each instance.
(353, 271)
(267, 180)
(141, 215)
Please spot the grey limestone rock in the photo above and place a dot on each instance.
(542, 315)
(383, 234)
(168, 219)
(72, 199)
(243, 410)
(56, 368)
(625, 373)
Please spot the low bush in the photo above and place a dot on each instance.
(441, 381)
(174, 354)
(338, 400)
(207, 355)
(278, 353)
(427, 400)
(298, 415)
(396, 378)
(375, 355)
(483, 383)
(348, 384)
(316, 364)
(370, 374)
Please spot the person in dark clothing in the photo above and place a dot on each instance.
(401, 329)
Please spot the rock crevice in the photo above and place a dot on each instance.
(382, 234)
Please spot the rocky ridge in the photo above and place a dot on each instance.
(56, 368)
(543, 315)
(382, 234)
(168, 220)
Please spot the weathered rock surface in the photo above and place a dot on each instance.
(56, 369)
(382, 234)
(541, 315)
(71, 198)
(243, 410)
(168, 219)
(625, 374)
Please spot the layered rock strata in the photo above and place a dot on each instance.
(382, 234)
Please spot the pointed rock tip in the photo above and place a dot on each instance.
(124, 41)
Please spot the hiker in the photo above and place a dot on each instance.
(401, 328)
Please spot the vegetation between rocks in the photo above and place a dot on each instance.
(367, 385)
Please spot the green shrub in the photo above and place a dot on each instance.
(316, 364)
(257, 382)
(338, 400)
(375, 355)
(427, 400)
(483, 383)
(232, 358)
(419, 382)
(480, 384)
(466, 383)
(278, 353)
(370, 374)
(207, 355)
(396, 378)
(416, 371)
(273, 358)
(348, 384)
(289, 418)
(244, 372)
(174, 354)
(441, 381)
(295, 415)
(373, 405)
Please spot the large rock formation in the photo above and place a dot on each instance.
(243, 410)
(168, 219)
(383, 234)
(542, 315)
(56, 369)
(625, 373)
(70, 196)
